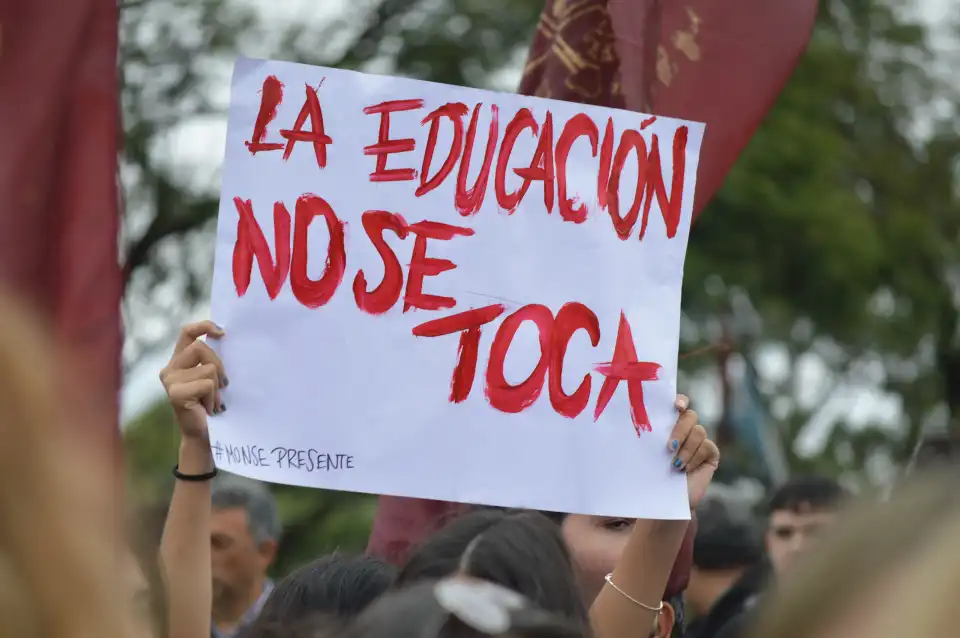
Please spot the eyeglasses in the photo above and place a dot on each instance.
(494, 610)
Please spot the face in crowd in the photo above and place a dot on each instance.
(799, 512)
(595, 544)
(243, 541)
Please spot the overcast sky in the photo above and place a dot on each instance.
(199, 146)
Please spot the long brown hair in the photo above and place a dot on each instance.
(58, 545)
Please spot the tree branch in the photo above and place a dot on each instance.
(373, 32)
(167, 223)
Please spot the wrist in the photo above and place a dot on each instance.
(195, 456)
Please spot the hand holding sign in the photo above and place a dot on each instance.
(193, 379)
(404, 266)
(693, 452)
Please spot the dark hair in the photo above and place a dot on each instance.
(725, 540)
(230, 491)
(679, 616)
(417, 611)
(520, 550)
(817, 493)
(335, 584)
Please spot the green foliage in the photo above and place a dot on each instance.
(836, 236)
(841, 229)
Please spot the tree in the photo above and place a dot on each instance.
(836, 236)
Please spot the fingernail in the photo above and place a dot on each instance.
(674, 445)
(224, 382)
(677, 463)
(681, 403)
(223, 407)
(219, 327)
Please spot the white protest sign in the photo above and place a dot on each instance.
(450, 293)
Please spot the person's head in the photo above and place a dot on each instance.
(888, 570)
(726, 545)
(797, 512)
(596, 544)
(520, 550)
(336, 584)
(458, 607)
(244, 530)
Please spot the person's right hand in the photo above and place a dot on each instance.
(193, 379)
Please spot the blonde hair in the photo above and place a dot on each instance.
(914, 534)
(58, 552)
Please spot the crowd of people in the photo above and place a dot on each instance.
(818, 562)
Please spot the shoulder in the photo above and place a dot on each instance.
(736, 627)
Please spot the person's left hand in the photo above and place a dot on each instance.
(693, 452)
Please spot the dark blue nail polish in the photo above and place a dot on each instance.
(223, 407)
(677, 463)
(674, 445)
(224, 382)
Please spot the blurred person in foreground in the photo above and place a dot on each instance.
(890, 569)
(728, 567)
(64, 571)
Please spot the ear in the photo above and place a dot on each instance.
(665, 621)
(268, 551)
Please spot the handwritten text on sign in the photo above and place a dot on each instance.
(383, 242)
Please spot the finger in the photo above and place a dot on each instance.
(689, 448)
(685, 424)
(198, 353)
(204, 371)
(189, 394)
(193, 331)
(682, 403)
(707, 454)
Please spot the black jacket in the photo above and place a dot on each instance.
(727, 617)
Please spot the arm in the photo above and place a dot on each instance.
(193, 379)
(641, 573)
(645, 565)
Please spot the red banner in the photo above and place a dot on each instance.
(704, 61)
(59, 223)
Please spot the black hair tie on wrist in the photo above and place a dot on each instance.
(194, 478)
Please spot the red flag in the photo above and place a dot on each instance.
(59, 222)
(701, 60)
